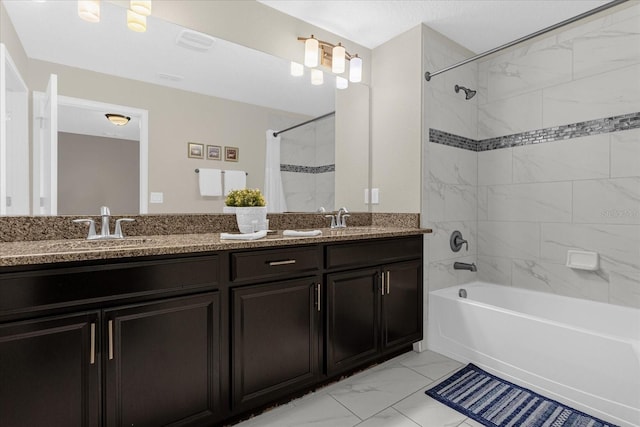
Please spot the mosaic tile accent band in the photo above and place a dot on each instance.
(307, 169)
(556, 133)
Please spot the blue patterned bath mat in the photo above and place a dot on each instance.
(494, 402)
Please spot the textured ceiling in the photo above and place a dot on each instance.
(478, 25)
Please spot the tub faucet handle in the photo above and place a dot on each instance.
(457, 241)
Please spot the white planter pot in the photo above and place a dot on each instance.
(251, 219)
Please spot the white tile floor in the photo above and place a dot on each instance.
(387, 395)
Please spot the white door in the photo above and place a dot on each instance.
(45, 149)
(14, 138)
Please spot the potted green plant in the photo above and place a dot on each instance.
(250, 208)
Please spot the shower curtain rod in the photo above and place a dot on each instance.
(606, 6)
(275, 134)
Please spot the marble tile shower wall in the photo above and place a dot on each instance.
(308, 163)
(449, 187)
(537, 201)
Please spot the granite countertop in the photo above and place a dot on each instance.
(56, 251)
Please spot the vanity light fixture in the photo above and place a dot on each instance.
(297, 69)
(118, 119)
(310, 51)
(341, 83)
(136, 22)
(355, 69)
(317, 77)
(141, 7)
(89, 10)
(319, 52)
(338, 59)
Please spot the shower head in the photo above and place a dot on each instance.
(469, 93)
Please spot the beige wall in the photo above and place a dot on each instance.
(352, 147)
(94, 171)
(175, 118)
(396, 122)
(10, 39)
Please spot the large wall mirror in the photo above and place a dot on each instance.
(178, 87)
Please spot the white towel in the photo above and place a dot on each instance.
(210, 182)
(295, 233)
(234, 180)
(246, 236)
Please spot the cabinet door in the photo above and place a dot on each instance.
(352, 318)
(162, 362)
(402, 304)
(275, 339)
(50, 372)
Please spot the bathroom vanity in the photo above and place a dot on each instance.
(200, 332)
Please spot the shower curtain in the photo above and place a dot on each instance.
(273, 191)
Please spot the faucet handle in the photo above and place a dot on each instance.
(118, 233)
(92, 226)
(344, 220)
(333, 220)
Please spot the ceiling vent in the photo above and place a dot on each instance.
(195, 41)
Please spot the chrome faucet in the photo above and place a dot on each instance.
(464, 266)
(341, 217)
(339, 220)
(105, 213)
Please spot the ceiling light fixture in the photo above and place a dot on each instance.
(89, 10)
(118, 119)
(319, 52)
(136, 22)
(141, 7)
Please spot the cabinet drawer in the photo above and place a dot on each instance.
(273, 263)
(373, 252)
(58, 287)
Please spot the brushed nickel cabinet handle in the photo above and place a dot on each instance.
(110, 339)
(319, 295)
(382, 282)
(92, 351)
(388, 282)
(286, 262)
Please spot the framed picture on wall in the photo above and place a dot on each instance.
(195, 150)
(231, 154)
(214, 152)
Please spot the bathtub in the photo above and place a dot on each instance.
(582, 353)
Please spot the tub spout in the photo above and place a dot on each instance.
(464, 266)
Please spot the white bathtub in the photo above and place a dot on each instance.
(582, 353)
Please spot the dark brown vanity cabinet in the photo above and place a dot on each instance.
(118, 344)
(275, 322)
(276, 339)
(194, 340)
(374, 310)
(50, 372)
(162, 362)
